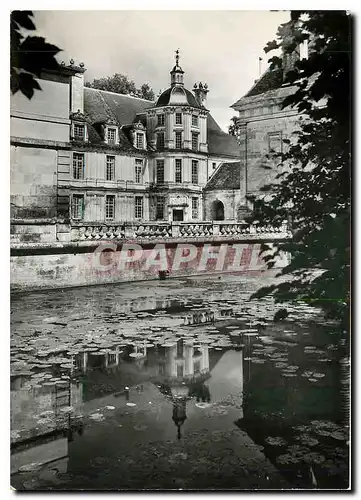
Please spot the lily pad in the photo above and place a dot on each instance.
(275, 441)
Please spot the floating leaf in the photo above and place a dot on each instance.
(275, 441)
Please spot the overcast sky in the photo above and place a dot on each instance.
(220, 48)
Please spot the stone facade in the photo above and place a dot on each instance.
(80, 154)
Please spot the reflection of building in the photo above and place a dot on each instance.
(184, 361)
(42, 423)
(182, 373)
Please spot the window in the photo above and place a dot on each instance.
(78, 165)
(77, 206)
(112, 358)
(275, 142)
(178, 140)
(138, 207)
(197, 367)
(160, 171)
(178, 118)
(160, 140)
(160, 208)
(180, 370)
(111, 135)
(110, 207)
(138, 171)
(178, 171)
(194, 208)
(160, 120)
(214, 166)
(194, 141)
(140, 140)
(79, 130)
(194, 171)
(110, 170)
(194, 121)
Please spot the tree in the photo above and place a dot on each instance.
(233, 127)
(120, 84)
(314, 193)
(28, 56)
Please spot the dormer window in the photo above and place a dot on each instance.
(111, 135)
(79, 129)
(140, 140)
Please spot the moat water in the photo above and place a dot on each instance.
(177, 384)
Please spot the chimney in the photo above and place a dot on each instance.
(200, 91)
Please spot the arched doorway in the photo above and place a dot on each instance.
(217, 210)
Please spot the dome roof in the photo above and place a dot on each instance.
(177, 95)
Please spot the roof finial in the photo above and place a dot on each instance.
(177, 57)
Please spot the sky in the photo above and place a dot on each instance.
(220, 48)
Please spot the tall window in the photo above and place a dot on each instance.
(138, 207)
(160, 171)
(194, 141)
(160, 140)
(214, 165)
(111, 135)
(77, 206)
(138, 171)
(79, 130)
(78, 165)
(178, 140)
(178, 171)
(140, 140)
(275, 142)
(194, 208)
(194, 171)
(178, 118)
(160, 120)
(160, 208)
(194, 121)
(110, 170)
(110, 207)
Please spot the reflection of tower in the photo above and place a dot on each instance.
(186, 361)
(182, 374)
(179, 413)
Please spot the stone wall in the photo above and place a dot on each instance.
(230, 199)
(33, 177)
(70, 266)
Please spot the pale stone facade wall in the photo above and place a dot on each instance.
(230, 199)
(33, 177)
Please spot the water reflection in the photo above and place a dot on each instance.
(165, 387)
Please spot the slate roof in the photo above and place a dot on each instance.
(100, 105)
(220, 143)
(163, 99)
(227, 176)
(270, 80)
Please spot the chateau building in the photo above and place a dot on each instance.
(89, 155)
(262, 126)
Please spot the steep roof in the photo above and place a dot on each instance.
(100, 105)
(220, 143)
(226, 177)
(270, 80)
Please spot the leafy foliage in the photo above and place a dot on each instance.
(121, 84)
(313, 191)
(29, 55)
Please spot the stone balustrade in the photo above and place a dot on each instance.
(92, 231)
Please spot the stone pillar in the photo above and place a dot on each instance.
(187, 139)
(203, 146)
(242, 208)
(169, 118)
(146, 215)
